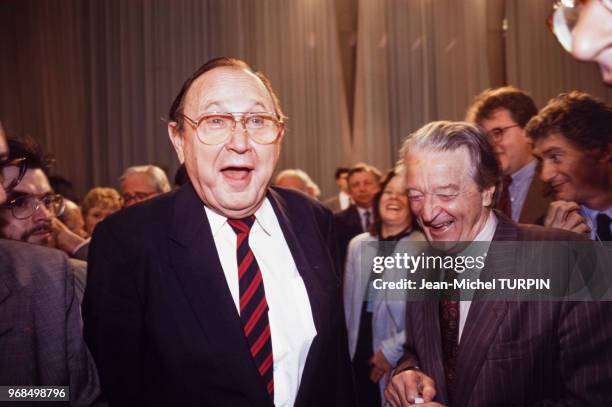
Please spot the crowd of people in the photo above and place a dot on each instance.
(232, 290)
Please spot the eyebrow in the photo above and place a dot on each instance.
(449, 186)
(552, 150)
(219, 103)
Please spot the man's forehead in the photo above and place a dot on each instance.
(554, 141)
(221, 87)
(34, 182)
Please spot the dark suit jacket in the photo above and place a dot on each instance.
(519, 353)
(161, 322)
(348, 225)
(41, 342)
(536, 202)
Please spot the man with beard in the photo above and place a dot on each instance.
(41, 343)
(31, 208)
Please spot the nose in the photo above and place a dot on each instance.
(587, 36)
(41, 213)
(430, 208)
(239, 139)
(547, 172)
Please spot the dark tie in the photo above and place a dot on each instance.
(253, 304)
(505, 204)
(449, 331)
(603, 227)
(367, 221)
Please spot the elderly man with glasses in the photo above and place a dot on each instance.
(584, 29)
(224, 292)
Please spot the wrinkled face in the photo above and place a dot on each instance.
(232, 177)
(37, 228)
(293, 182)
(592, 37)
(95, 215)
(514, 149)
(443, 197)
(570, 171)
(393, 205)
(362, 186)
(137, 187)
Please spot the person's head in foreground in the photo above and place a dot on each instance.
(142, 182)
(584, 29)
(98, 204)
(573, 139)
(31, 204)
(450, 173)
(226, 125)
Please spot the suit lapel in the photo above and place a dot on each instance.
(484, 317)
(292, 225)
(195, 260)
(536, 202)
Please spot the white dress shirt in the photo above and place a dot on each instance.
(344, 199)
(485, 235)
(291, 323)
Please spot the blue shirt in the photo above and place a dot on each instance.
(518, 189)
(591, 217)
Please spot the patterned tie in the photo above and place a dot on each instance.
(253, 304)
(603, 227)
(505, 204)
(449, 331)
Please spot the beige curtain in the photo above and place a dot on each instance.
(417, 61)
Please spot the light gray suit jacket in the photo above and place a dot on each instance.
(41, 339)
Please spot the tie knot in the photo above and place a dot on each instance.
(242, 225)
(603, 219)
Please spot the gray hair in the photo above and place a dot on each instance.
(441, 136)
(309, 185)
(158, 177)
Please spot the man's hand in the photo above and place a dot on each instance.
(404, 387)
(65, 239)
(380, 366)
(566, 215)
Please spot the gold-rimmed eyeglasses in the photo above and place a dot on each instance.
(24, 206)
(216, 128)
(498, 133)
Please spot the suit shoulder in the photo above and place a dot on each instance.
(297, 199)
(541, 233)
(140, 218)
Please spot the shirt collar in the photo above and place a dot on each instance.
(264, 217)
(526, 172)
(488, 231)
(592, 213)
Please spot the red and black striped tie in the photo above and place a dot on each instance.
(253, 304)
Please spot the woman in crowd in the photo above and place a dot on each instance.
(98, 204)
(375, 320)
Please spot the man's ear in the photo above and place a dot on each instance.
(177, 140)
(487, 196)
